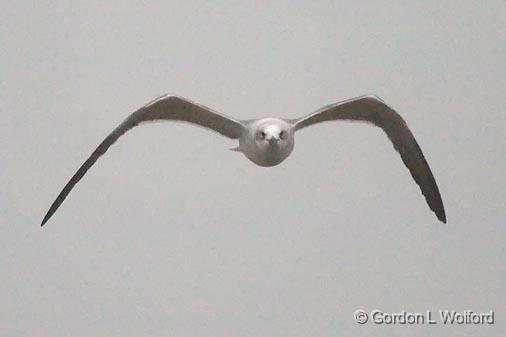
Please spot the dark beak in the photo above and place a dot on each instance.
(273, 140)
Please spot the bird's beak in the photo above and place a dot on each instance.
(273, 140)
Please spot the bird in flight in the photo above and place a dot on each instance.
(269, 141)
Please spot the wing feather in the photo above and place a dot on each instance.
(373, 110)
(168, 107)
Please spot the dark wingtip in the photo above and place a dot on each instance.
(441, 215)
(46, 218)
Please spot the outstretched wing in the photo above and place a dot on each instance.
(168, 107)
(373, 110)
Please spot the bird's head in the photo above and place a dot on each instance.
(268, 141)
(273, 135)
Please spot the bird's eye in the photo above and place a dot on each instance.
(282, 134)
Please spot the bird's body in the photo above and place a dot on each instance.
(269, 141)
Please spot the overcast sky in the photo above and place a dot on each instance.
(171, 234)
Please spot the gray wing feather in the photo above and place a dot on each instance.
(373, 110)
(168, 107)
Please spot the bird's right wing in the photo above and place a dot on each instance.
(168, 107)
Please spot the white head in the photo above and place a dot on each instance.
(268, 142)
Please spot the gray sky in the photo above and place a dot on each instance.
(171, 234)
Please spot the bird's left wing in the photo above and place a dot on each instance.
(168, 107)
(373, 110)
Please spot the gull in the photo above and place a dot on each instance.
(269, 141)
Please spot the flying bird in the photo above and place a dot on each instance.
(269, 141)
